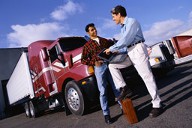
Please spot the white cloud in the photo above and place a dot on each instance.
(22, 36)
(108, 24)
(63, 12)
(163, 30)
(108, 28)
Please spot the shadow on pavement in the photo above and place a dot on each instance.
(174, 95)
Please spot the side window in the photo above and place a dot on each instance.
(53, 54)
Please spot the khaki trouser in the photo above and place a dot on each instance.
(139, 57)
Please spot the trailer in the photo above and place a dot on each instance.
(20, 86)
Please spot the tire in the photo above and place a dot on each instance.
(74, 98)
(33, 109)
(27, 110)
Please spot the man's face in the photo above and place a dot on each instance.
(116, 18)
(92, 32)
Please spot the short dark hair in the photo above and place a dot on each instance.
(119, 9)
(89, 25)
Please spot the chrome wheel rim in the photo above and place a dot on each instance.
(73, 99)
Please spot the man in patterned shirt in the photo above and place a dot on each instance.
(89, 57)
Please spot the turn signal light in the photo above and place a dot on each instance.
(157, 60)
(90, 70)
(84, 83)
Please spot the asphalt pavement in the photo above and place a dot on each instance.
(176, 93)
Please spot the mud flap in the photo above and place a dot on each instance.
(64, 105)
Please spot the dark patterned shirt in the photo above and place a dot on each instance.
(92, 48)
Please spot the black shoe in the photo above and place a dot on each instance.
(155, 112)
(108, 119)
(125, 92)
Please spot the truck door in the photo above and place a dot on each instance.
(57, 64)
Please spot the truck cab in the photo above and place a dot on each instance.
(59, 76)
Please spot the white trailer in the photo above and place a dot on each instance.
(19, 87)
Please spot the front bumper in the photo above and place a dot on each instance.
(89, 88)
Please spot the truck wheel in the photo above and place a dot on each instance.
(33, 109)
(27, 110)
(74, 98)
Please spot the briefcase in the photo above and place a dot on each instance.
(129, 111)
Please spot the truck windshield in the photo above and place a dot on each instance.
(71, 43)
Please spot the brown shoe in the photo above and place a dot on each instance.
(125, 92)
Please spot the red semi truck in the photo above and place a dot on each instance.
(51, 75)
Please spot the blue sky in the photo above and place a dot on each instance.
(25, 21)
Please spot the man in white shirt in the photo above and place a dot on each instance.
(132, 38)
